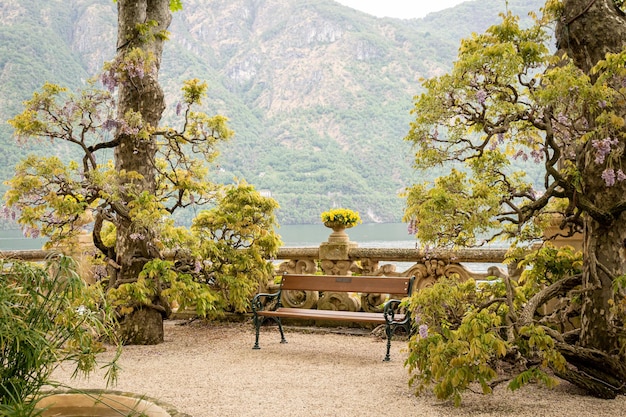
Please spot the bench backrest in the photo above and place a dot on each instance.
(343, 283)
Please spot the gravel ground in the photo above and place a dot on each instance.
(210, 370)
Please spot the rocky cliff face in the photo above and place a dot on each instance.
(318, 94)
(298, 54)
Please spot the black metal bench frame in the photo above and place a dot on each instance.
(268, 306)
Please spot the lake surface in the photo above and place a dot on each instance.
(15, 240)
(388, 235)
(378, 235)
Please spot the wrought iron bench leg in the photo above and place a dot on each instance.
(389, 333)
(257, 325)
(280, 328)
(390, 330)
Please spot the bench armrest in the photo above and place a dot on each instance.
(263, 300)
(391, 307)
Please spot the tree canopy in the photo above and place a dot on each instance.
(135, 174)
(509, 97)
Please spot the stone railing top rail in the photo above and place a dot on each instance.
(387, 254)
(495, 255)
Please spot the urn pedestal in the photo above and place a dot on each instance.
(335, 253)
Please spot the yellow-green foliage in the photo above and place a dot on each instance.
(464, 208)
(236, 239)
(457, 343)
(474, 120)
(465, 329)
(509, 98)
(225, 256)
(159, 279)
(549, 264)
(49, 212)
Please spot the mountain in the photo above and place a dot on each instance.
(319, 95)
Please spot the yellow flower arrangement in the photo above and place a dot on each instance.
(341, 217)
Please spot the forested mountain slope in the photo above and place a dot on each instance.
(318, 94)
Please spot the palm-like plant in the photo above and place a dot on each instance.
(48, 315)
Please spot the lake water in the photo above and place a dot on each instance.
(379, 235)
(15, 240)
(392, 235)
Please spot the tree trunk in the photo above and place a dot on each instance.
(142, 327)
(588, 31)
(140, 93)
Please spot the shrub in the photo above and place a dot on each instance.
(48, 315)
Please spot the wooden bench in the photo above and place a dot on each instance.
(268, 306)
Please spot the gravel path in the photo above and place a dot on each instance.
(210, 370)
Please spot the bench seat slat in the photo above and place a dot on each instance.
(336, 315)
(362, 284)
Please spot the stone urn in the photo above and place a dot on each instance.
(339, 232)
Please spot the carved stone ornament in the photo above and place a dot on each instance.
(339, 301)
(300, 299)
(331, 267)
(298, 266)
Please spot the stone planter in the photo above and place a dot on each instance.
(100, 403)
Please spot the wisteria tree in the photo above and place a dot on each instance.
(506, 98)
(134, 174)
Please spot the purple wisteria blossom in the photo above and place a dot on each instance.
(110, 124)
(7, 213)
(537, 155)
(603, 148)
(423, 331)
(521, 154)
(135, 69)
(608, 175)
(495, 143)
(481, 96)
(109, 79)
(31, 232)
(127, 129)
(418, 318)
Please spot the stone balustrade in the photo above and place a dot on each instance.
(343, 257)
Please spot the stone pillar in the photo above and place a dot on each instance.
(335, 253)
(335, 260)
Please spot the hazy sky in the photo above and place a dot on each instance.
(406, 9)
